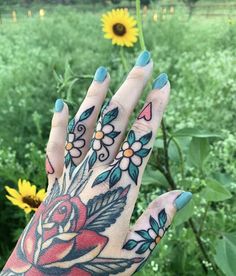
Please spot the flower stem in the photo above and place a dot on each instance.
(123, 59)
(139, 22)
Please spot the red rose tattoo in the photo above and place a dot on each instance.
(64, 235)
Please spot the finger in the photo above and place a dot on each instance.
(153, 224)
(114, 119)
(56, 142)
(81, 127)
(133, 155)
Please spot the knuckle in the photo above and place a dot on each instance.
(54, 146)
(141, 128)
(136, 74)
(113, 104)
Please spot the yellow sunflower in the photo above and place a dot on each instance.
(26, 197)
(120, 27)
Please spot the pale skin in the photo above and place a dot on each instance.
(83, 227)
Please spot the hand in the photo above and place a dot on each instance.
(82, 227)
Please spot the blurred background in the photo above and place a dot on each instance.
(51, 49)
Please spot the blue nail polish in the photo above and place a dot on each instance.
(58, 105)
(160, 81)
(182, 200)
(100, 74)
(143, 59)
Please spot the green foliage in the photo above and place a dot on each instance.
(42, 60)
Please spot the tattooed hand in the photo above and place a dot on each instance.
(82, 227)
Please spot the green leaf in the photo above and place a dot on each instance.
(146, 138)
(86, 114)
(101, 177)
(130, 245)
(198, 151)
(152, 176)
(185, 213)
(162, 218)
(154, 224)
(133, 172)
(215, 191)
(110, 116)
(195, 132)
(225, 254)
(131, 137)
(115, 176)
(143, 152)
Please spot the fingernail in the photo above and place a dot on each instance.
(182, 200)
(143, 59)
(160, 81)
(58, 105)
(100, 74)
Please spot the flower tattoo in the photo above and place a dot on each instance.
(104, 137)
(150, 237)
(65, 235)
(75, 141)
(129, 158)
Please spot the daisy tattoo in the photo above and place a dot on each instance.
(151, 237)
(104, 137)
(75, 141)
(129, 159)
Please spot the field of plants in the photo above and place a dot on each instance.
(55, 56)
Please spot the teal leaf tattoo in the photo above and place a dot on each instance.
(108, 266)
(86, 114)
(115, 176)
(110, 116)
(113, 134)
(92, 159)
(101, 177)
(131, 137)
(67, 159)
(71, 125)
(143, 248)
(146, 138)
(154, 224)
(103, 210)
(133, 172)
(144, 234)
(143, 152)
(130, 245)
(162, 218)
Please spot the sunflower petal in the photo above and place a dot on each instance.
(12, 192)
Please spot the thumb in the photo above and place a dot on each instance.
(153, 223)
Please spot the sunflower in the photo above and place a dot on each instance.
(26, 197)
(120, 27)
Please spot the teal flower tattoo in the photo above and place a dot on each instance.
(129, 159)
(150, 237)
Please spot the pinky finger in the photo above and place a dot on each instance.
(153, 224)
(56, 142)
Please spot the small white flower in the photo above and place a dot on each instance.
(156, 237)
(73, 146)
(101, 138)
(128, 154)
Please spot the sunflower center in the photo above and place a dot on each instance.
(69, 146)
(33, 202)
(128, 153)
(99, 135)
(157, 239)
(119, 29)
